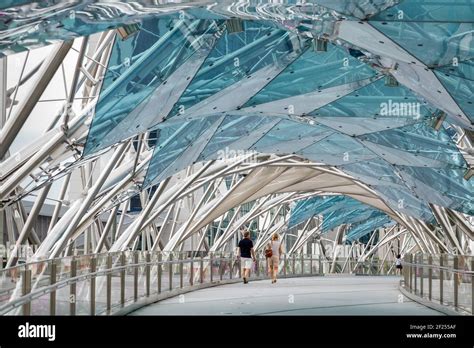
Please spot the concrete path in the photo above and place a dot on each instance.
(329, 295)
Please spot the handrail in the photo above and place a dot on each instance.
(452, 270)
(60, 284)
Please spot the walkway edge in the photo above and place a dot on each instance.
(146, 301)
(437, 307)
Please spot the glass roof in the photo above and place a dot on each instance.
(233, 77)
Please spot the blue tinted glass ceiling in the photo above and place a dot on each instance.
(318, 70)
(149, 62)
(361, 229)
(335, 210)
(434, 44)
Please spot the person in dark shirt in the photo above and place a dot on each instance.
(247, 255)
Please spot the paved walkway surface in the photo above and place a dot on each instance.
(329, 295)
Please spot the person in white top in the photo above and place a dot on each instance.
(398, 264)
(274, 260)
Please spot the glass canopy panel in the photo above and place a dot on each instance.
(356, 8)
(461, 89)
(374, 172)
(402, 200)
(305, 209)
(335, 210)
(290, 136)
(171, 143)
(12, 3)
(337, 149)
(428, 11)
(420, 140)
(357, 231)
(378, 99)
(449, 183)
(348, 216)
(462, 69)
(232, 129)
(312, 71)
(147, 61)
(236, 56)
(435, 44)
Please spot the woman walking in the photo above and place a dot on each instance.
(274, 252)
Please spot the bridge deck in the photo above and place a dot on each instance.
(330, 295)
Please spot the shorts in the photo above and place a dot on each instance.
(399, 266)
(247, 262)
(273, 261)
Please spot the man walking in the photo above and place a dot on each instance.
(247, 255)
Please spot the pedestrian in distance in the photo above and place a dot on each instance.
(247, 255)
(398, 264)
(273, 252)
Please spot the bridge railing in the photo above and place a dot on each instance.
(103, 284)
(447, 280)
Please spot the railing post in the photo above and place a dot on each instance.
(293, 267)
(26, 288)
(159, 271)
(109, 283)
(421, 274)
(52, 298)
(221, 268)
(147, 273)
(455, 279)
(191, 271)
(135, 276)
(415, 280)
(430, 277)
(405, 275)
(72, 293)
(320, 265)
(311, 264)
(93, 267)
(170, 273)
(284, 265)
(441, 278)
(472, 286)
(210, 267)
(181, 269)
(411, 272)
(201, 271)
(302, 264)
(122, 279)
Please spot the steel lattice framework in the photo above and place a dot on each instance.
(330, 122)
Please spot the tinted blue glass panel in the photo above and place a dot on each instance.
(235, 57)
(428, 11)
(290, 136)
(171, 143)
(359, 230)
(337, 149)
(159, 54)
(335, 210)
(455, 192)
(232, 129)
(420, 140)
(461, 89)
(318, 70)
(433, 43)
(377, 99)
